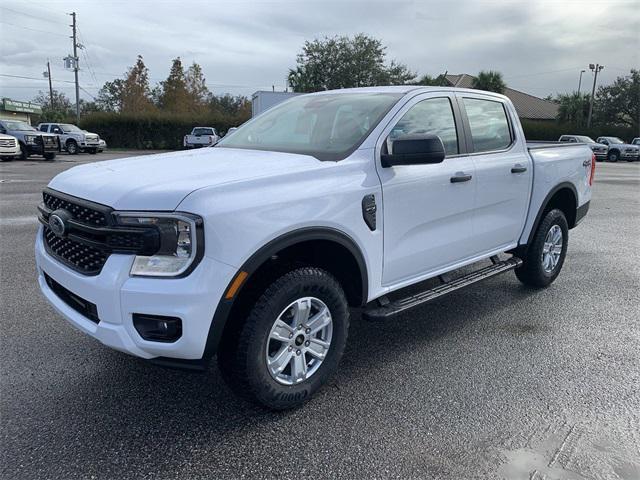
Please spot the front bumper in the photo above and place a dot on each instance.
(118, 296)
(629, 155)
(10, 152)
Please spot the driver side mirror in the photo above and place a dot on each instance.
(415, 150)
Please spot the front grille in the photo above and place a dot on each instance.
(79, 304)
(7, 142)
(49, 141)
(91, 138)
(81, 257)
(90, 234)
(79, 212)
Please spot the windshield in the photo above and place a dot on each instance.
(203, 131)
(614, 140)
(67, 127)
(17, 126)
(328, 127)
(584, 139)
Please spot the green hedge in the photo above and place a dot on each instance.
(550, 130)
(165, 131)
(155, 131)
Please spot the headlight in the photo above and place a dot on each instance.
(181, 242)
(30, 139)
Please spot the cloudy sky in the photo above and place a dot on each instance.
(540, 46)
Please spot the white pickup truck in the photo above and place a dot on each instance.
(256, 249)
(201, 137)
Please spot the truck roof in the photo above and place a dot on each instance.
(406, 89)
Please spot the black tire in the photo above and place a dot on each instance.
(92, 151)
(613, 156)
(50, 156)
(532, 271)
(242, 356)
(72, 147)
(24, 153)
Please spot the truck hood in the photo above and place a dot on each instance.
(162, 181)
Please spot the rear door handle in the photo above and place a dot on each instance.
(460, 177)
(517, 168)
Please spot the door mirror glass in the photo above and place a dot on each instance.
(416, 149)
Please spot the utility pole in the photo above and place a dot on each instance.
(75, 65)
(47, 74)
(580, 80)
(595, 69)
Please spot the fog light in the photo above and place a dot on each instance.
(157, 328)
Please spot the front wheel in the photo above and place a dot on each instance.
(24, 153)
(545, 256)
(50, 156)
(72, 147)
(290, 343)
(613, 156)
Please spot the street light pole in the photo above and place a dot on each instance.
(580, 80)
(595, 69)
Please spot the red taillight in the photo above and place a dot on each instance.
(593, 169)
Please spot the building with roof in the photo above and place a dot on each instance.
(527, 106)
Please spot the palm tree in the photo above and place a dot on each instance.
(490, 81)
(573, 108)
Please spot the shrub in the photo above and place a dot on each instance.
(152, 131)
(551, 130)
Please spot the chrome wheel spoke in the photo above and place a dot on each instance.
(319, 321)
(280, 360)
(318, 348)
(302, 309)
(299, 367)
(281, 331)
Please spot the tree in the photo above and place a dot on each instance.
(573, 108)
(135, 94)
(619, 103)
(489, 80)
(343, 62)
(429, 81)
(174, 96)
(62, 106)
(197, 90)
(110, 96)
(229, 105)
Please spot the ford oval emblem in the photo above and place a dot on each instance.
(57, 225)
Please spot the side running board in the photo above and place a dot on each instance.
(385, 309)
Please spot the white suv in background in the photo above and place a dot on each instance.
(72, 139)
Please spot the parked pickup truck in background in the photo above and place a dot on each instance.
(600, 150)
(72, 139)
(9, 148)
(256, 249)
(635, 141)
(201, 137)
(618, 150)
(32, 142)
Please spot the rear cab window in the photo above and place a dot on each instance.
(44, 128)
(489, 124)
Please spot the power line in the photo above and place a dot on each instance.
(34, 29)
(28, 15)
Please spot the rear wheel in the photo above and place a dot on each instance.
(545, 256)
(291, 341)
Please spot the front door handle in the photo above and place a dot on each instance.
(460, 177)
(517, 168)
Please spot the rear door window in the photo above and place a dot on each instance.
(489, 124)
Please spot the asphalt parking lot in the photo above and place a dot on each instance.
(496, 381)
